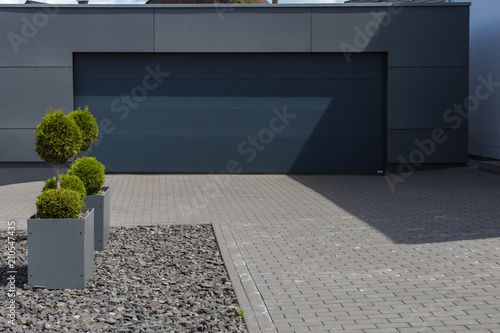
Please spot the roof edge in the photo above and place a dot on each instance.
(380, 4)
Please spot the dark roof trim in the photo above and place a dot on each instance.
(397, 1)
(381, 4)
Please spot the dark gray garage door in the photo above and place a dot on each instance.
(249, 113)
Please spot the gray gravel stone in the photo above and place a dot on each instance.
(148, 279)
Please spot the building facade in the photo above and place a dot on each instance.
(346, 88)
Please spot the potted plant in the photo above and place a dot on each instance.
(91, 172)
(60, 242)
(61, 233)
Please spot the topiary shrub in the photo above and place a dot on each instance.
(69, 182)
(88, 126)
(59, 203)
(58, 138)
(90, 171)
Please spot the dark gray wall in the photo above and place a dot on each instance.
(427, 47)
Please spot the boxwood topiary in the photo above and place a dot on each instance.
(88, 126)
(59, 203)
(90, 171)
(58, 138)
(69, 182)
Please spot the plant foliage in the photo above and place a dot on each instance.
(58, 138)
(88, 127)
(59, 204)
(90, 171)
(69, 182)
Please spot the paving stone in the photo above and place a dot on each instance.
(426, 255)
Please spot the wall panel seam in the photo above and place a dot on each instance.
(13, 67)
(482, 144)
(154, 29)
(427, 129)
(311, 31)
(427, 66)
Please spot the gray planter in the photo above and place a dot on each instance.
(60, 252)
(102, 206)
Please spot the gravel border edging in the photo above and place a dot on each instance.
(255, 322)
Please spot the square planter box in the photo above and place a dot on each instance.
(102, 206)
(61, 252)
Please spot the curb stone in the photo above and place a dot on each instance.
(256, 321)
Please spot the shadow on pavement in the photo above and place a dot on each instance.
(14, 173)
(428, 207)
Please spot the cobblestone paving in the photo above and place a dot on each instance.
(336, 253)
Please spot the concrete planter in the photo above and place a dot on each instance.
(60, 252)
(102, 206)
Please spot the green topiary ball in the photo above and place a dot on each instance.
(69, 182)
(58, 138)
(90, 171)
(59, 204)
(87, 124)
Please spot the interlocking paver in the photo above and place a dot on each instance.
(334, 253)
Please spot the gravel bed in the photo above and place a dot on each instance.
(148, 279)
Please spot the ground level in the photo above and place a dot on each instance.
(333, 253)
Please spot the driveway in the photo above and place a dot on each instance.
(333, 253)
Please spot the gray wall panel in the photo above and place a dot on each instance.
(427, 94)
(413, 36)
(334, 28)
(55, 36)
(440, 147)
(18, 145)
(270, 29)
(27, 93)
(437, 37)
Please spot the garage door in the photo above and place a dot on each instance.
(238, 113)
